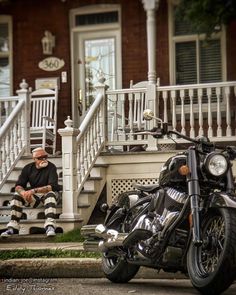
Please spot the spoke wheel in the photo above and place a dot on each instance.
(213, 245)
(211, 266)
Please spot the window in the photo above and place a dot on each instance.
(5, 56)
(194, 60)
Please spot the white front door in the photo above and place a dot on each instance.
(95, 54)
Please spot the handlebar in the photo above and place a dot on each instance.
(203, 143)
(205, 146)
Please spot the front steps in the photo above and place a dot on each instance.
(33, 218)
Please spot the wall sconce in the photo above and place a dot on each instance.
(48, 42)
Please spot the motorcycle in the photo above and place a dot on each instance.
(186, 222)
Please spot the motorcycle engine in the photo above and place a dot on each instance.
(156, 221)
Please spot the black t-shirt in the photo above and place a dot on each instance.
(39, 177)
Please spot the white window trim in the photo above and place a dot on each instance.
(8, 19)
(174, 39)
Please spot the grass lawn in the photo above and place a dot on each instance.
(71, 236)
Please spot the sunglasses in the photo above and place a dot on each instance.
(42, 157)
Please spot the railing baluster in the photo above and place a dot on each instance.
(210, 130)
(82, 158)
(183, 131)
(123, 111)
(192, 130)
(174, 121)
(226, 91)
(165, 96)
(79, 163)
(200, 115)
(131, 115)
(219, 122)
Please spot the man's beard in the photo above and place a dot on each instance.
(42, 164)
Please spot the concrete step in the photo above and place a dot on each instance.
(28, 213)
(37, 226)
(5, 199)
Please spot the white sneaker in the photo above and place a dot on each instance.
(50, 231)
(9, 232)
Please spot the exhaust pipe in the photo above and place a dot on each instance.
(103, 238)
(108, 238)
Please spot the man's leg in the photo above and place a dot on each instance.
(50, 202)
(17, 204)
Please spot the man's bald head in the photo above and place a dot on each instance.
(39, 152)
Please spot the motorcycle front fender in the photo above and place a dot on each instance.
(115, 216)
(219, 200)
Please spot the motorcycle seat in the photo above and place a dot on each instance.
(146, 187)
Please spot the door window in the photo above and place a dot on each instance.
(99, 56)
(5, 56)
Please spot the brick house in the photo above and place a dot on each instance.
(71, 20)
(188, 81)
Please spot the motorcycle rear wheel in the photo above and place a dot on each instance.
(211, 266)
(117, 270)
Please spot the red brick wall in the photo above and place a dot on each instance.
(32, 18)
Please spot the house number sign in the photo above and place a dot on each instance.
(50, 64)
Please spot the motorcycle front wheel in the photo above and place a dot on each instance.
(211, 266)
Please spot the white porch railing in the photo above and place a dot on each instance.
(80, 149)
(14, 133)
(116, 114)
(7, 104)
(201, 109)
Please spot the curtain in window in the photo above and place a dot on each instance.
(4, 60)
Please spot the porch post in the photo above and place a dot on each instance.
(24, 94)
(101, 87)
(69, 170)
(151, 6)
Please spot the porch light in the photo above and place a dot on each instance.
(48, 43)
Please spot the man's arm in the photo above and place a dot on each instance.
(21, 185)
(42, 190)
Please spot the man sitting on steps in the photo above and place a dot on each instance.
(43, 180)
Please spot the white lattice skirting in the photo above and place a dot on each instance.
(119, 186)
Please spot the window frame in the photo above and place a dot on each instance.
(188, 38)
(3, 20)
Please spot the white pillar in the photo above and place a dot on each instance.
(151, 6)
(24, 93)
(69, 170)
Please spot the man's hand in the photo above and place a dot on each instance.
(27, 195)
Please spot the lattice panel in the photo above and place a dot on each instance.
(167, 147)
(122, 185)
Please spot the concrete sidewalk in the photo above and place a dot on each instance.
(58, 267)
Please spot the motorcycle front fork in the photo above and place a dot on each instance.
(194, 193)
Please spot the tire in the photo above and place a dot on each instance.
(211, 267)
(118, 270)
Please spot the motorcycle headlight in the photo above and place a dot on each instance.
(216, 164)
